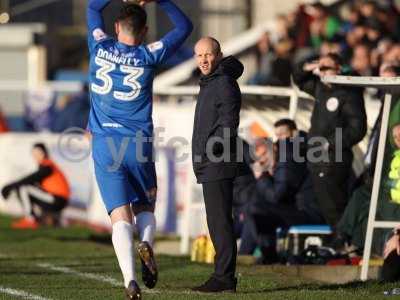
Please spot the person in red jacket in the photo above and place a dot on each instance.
(47, 189)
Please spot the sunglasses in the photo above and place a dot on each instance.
(325, 68)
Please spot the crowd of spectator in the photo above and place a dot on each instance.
(359, 38)
(364, 33)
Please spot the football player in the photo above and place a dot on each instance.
(121, 81)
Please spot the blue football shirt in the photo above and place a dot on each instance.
(121, 76)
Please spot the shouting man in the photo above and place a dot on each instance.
(216, 161)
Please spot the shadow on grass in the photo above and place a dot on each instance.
(94, 238)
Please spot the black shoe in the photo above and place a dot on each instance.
(133, 291)
(214, 285)
(149, 266)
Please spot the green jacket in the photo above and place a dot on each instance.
(394, 177)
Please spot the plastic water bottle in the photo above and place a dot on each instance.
(394, 292)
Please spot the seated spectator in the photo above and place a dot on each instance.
(374, 31)
(282, 28)
(283, 197)
(330, 46)
(245, 186)
(353, 38)
(393, 54)
(361, 60)
(3, 123)
(368, 9)
(265, 56)
(39, 109)
(75, 113)
(46, 189)
(351, 19)
(299, 21)
(324, 25)
(281, 67)
(274, 62)
(378, 53)
(285, 129)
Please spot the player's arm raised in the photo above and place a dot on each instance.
(95, 22)
(173, 40)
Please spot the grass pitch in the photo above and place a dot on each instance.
(50, 264)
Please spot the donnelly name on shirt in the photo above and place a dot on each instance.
(118, 59)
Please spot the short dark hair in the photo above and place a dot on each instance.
(133, 19)
(286, 122)
(320, 6)
(336, 58)
(391, 66)
(394, 69)
(42, 147)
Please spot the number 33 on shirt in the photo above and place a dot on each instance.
(130, 80)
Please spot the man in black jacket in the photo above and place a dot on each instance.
(215, 155)
(283, 195)
(338, 122)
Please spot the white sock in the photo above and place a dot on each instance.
(122, 238)
(146, 225)
(26, 202)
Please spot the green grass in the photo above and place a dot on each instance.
(75, 248)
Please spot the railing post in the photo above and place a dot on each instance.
(375, 190)
(293, 104)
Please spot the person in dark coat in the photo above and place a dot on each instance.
(75, 113)
(284, 193)
(216, 160)
(352, 227)
(338, 123)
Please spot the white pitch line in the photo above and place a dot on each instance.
(19, 293)
(92, 276)
(98, 277)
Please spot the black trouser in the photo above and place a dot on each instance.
(330, 184)
(263, 219)
(391, 268)
(218, 197)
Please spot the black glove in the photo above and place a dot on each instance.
(6, 191)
